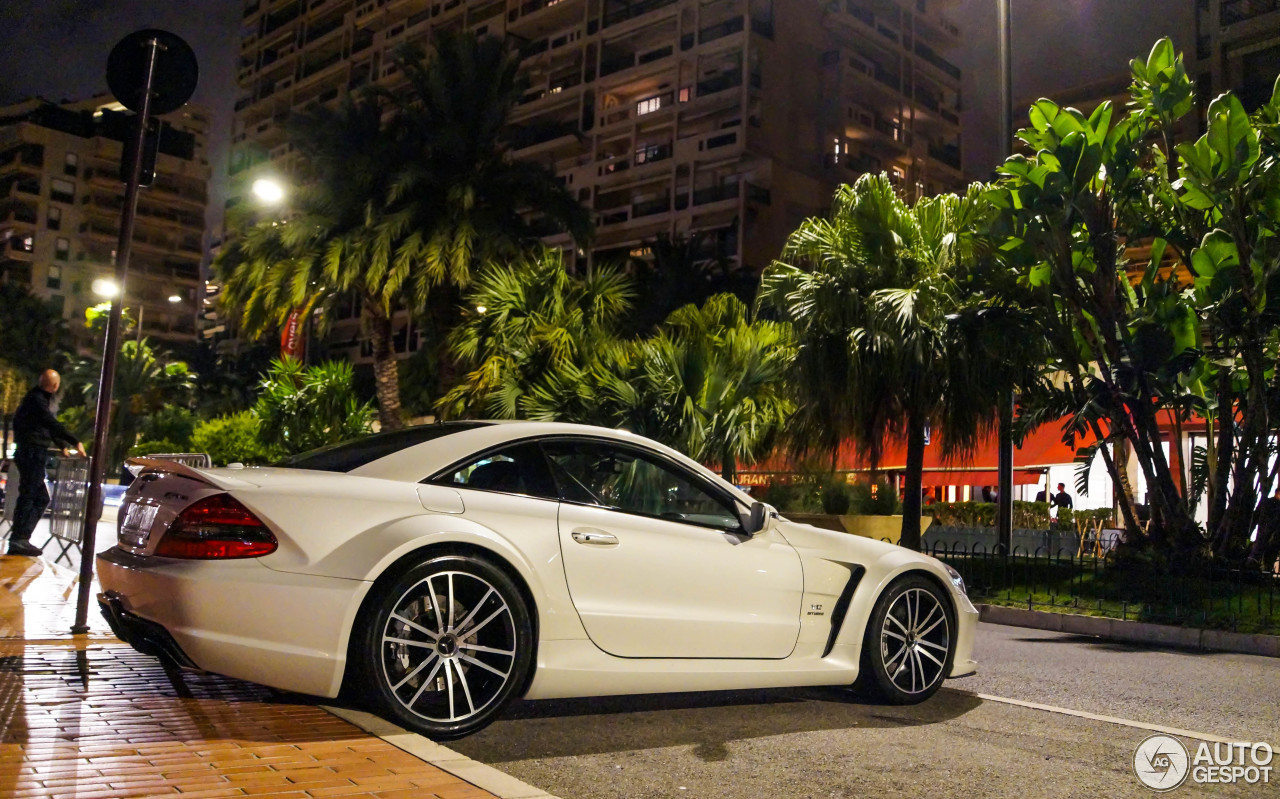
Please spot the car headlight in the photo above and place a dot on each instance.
(956, 579)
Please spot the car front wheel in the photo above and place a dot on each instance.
(910, 641)
(447, 646)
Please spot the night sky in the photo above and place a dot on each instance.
(58, 49)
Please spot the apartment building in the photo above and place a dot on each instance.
(730, 119)
(60, 201)
(1237, 49)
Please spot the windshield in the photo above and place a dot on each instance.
(354, 454)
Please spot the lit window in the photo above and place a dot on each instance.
(63, 191)
(648, 105)
(685, 94)
(26, 244)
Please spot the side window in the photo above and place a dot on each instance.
(624, 479)
(515, 470)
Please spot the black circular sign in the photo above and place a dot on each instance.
(175, 75)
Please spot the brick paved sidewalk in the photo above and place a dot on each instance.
(87, 716)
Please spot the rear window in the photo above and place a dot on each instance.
(354, 454)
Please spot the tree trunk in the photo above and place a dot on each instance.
(386, 374)
(1120, 482)
(910, 537)
(728, 467)
(1223, 455)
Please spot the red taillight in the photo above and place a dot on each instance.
(216, 527)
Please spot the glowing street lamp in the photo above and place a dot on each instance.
(268, 190)
(105, 287)
(175, 298)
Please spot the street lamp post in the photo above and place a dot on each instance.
(1004, 467)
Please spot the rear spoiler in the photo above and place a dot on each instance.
(162, 466)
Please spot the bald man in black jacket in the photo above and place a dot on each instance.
(35, 429)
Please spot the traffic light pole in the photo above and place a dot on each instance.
(106, 383)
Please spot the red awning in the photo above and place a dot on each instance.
(976, 477)
(1039, 450)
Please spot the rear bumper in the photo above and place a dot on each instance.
(233, 617)
(145, 636)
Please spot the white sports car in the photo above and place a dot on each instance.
(444, 570)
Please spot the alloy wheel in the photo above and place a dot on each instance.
(915, 641)
(449, 647)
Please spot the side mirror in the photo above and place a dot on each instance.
(756, 515)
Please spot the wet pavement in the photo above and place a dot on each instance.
(87, 716)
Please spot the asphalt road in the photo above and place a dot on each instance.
(828, 743)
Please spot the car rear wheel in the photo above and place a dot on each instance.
(447, 646)
(910, 642)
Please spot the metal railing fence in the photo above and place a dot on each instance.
(1234, 596)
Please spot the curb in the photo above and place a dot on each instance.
(487, 778)
(1133, 631)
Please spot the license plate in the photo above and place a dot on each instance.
(137, 523)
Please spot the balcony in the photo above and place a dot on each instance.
(719, 83)
(322, 30)
(322, 64)
(659, 205)
(13, 270)
(719, 31)
(619, 11)
(652, 154)
(854, 162)
(617, 63)
(273, 22)
(869, 21)
(534, 135)
(948, 154)
(715, 194)
(759, 194)
(1234, 11)
(925, 52)
(537, 18)
(558, 87)
(23, 215)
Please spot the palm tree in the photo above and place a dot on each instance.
(323, 251)
(894, 335)
(720, 380)
(147, 381)
(305, 407)
(680, 270)
(536, 339)
(408, 191)
(468, 202)
(543, 344)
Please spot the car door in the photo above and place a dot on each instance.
(657, 564)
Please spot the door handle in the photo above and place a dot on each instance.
(592, 537)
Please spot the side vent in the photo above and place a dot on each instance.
(842, 606)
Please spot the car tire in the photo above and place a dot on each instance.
(909, 644)
(445, 646)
